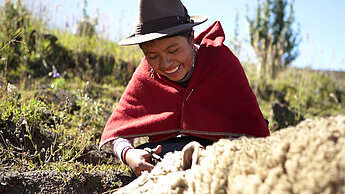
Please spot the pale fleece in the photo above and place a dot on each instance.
(308, 158)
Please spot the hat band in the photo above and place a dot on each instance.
(162, 24)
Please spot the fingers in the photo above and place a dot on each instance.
(140, 160)
(143, 166)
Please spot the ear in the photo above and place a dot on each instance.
(190, 155)
(192, 38)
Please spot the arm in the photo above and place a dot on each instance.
(136, 159)
(120, 145)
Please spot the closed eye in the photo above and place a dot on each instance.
(151, 57)
(171, 52)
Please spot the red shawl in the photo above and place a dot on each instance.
(217, 103)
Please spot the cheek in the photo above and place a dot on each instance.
(154, 65)
(187, 58)
(182, 57)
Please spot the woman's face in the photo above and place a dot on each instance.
(171, 57)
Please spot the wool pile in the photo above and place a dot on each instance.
(308, 158)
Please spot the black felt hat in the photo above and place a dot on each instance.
(160, 18)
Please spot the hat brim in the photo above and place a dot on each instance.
(137, 39)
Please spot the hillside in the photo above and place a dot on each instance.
(338, 76)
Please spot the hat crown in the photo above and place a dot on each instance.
(161, 18)
(156, 9)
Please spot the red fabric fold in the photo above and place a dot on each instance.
(217, 103)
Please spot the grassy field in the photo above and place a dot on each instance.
(57, 90)
(339, 77)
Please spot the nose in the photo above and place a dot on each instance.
(166, 61)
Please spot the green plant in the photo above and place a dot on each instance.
(87, 26)
(272, 36)
(22, 133)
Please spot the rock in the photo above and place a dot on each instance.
(91, 155)
(285, 115)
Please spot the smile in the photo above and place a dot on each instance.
(173, 70)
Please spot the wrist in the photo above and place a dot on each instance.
(124, 153)
(119, 145)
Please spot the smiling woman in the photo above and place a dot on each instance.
(171, 57)
(185, 89)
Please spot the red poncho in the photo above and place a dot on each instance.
(217, 103)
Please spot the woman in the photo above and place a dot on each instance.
(185, 89)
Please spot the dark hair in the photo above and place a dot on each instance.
(186, 34)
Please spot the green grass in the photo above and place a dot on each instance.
(311, 93)
(67, 134)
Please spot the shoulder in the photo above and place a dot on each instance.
(212, 36)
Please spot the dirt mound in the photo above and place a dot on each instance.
(61, 182)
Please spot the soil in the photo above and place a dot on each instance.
(61, 182)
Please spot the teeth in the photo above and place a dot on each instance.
(173, 70)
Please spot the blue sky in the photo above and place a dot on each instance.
(322, 26)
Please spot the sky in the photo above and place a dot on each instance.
(321, 24)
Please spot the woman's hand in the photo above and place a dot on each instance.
(138, 159)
